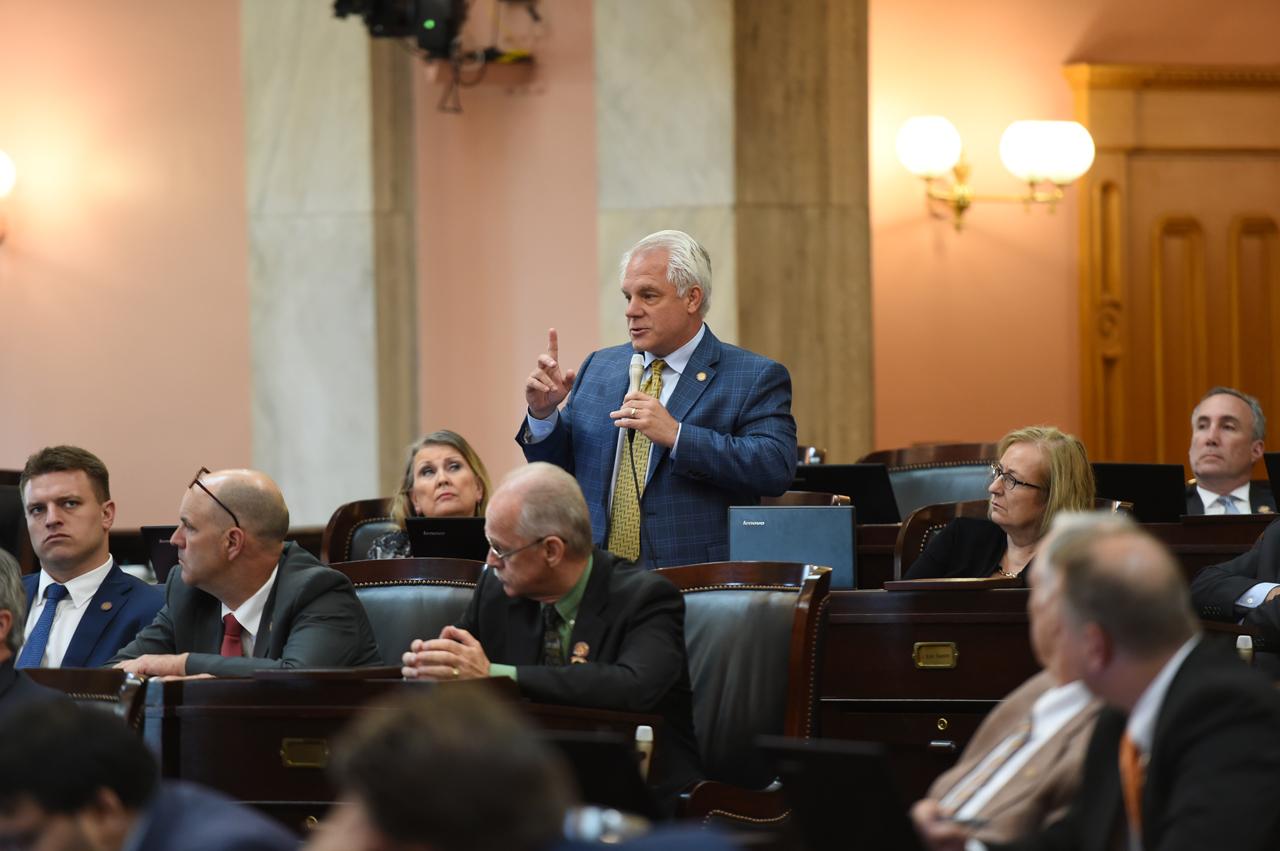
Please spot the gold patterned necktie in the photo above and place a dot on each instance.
(624, 523)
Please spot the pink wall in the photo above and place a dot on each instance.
(976, 332)
(507, 236)
(123, 283)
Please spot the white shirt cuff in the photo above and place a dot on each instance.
(1254, 596)
(540, 429)
(672, 453)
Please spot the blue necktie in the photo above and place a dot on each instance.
(33, 650)
(1228, 504)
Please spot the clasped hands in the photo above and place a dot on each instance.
(548, 386)
(166, 667)
(455, 655)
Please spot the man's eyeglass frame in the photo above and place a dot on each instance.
(196, 481)
(502, 557)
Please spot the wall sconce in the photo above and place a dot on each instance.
(1054, 152)
(8, 175)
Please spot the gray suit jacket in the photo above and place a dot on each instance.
(1041, 793)
(312, 619)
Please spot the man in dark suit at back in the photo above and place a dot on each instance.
(244, 599)
(1187, 755)
(1228, 431)
(709, 427)
(571, 624)
(82, 608)
(76, 779)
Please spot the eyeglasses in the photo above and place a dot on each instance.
(1009, 481)
(196, 481)
(502, 557)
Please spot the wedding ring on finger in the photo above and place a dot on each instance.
(633, 413)
(455, 673)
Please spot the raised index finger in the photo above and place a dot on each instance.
(553, 346)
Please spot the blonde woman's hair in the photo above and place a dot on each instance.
(1069, 475)
(401, 507)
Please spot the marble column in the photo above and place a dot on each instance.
(328, 239)
(664, 141)
(803, 229)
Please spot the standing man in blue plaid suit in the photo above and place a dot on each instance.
(710, 426)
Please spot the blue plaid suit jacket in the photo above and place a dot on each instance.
(737, 443)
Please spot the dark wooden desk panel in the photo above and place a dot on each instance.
(230, 733)
(872, 690)
(875, 554)
(1198, 542)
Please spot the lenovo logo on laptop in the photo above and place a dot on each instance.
(752, 522)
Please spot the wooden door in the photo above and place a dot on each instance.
(1180, 271)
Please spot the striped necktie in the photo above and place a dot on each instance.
(624, 523)
(975, 780)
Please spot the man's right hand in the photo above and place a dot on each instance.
(547, 386)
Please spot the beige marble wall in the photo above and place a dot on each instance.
(803, 220)
(664, 141)
(311, 232)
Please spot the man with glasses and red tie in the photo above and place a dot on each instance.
(81, 607)
(570, 623)
(244, 599)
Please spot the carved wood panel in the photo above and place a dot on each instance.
(1180, 278)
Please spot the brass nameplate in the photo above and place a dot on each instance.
(935, 654)
(304, 753)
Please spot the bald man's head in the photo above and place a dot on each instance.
(1125, 581)
(550, 503)
(256, 501)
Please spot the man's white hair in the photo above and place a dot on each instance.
(688, 263)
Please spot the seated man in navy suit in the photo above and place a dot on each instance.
(1228, 431)
(82, 607)
(73, 779)
(709, 427)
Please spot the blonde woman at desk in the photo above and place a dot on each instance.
(1041, 472)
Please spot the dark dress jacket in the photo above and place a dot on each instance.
(1215, 589)
(312, 619)
(966, 547)
(186, 817)
(1214, 774)
(17, 689)
(632, 623)
(1260, 497)
(122, 607)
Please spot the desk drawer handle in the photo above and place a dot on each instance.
(941, 745)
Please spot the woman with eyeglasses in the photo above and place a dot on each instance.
(443, 477)
(1041, 471)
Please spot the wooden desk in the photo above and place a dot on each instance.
(875, 554)
(872, 689)
(266, 741)
(1201, 541)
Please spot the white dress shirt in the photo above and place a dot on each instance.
(539, 430)
(1240, 496)
(249, 615)
(71, 609)
(1049, 714)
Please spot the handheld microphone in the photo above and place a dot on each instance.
(637, 371)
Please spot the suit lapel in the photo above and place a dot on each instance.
(590, 626)
(266, 624)
(105, 605)
(523, 635)
(689, 388)
(609, 451)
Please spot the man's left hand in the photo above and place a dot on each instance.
(455, 655)
(646, 415)
(156, 666)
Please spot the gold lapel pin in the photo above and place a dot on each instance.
(702, 376)
(106, 607)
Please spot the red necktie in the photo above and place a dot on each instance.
(231, 645)
(1133, 776)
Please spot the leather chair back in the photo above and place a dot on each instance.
(917, 487)
(408, 598)
(752, 633)
(353, 528)
(106, 689)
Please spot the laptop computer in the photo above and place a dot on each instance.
(867, 486)
(844, 794)
(164, 555)
(447, 537)
(1158, 491)
(824, 535)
